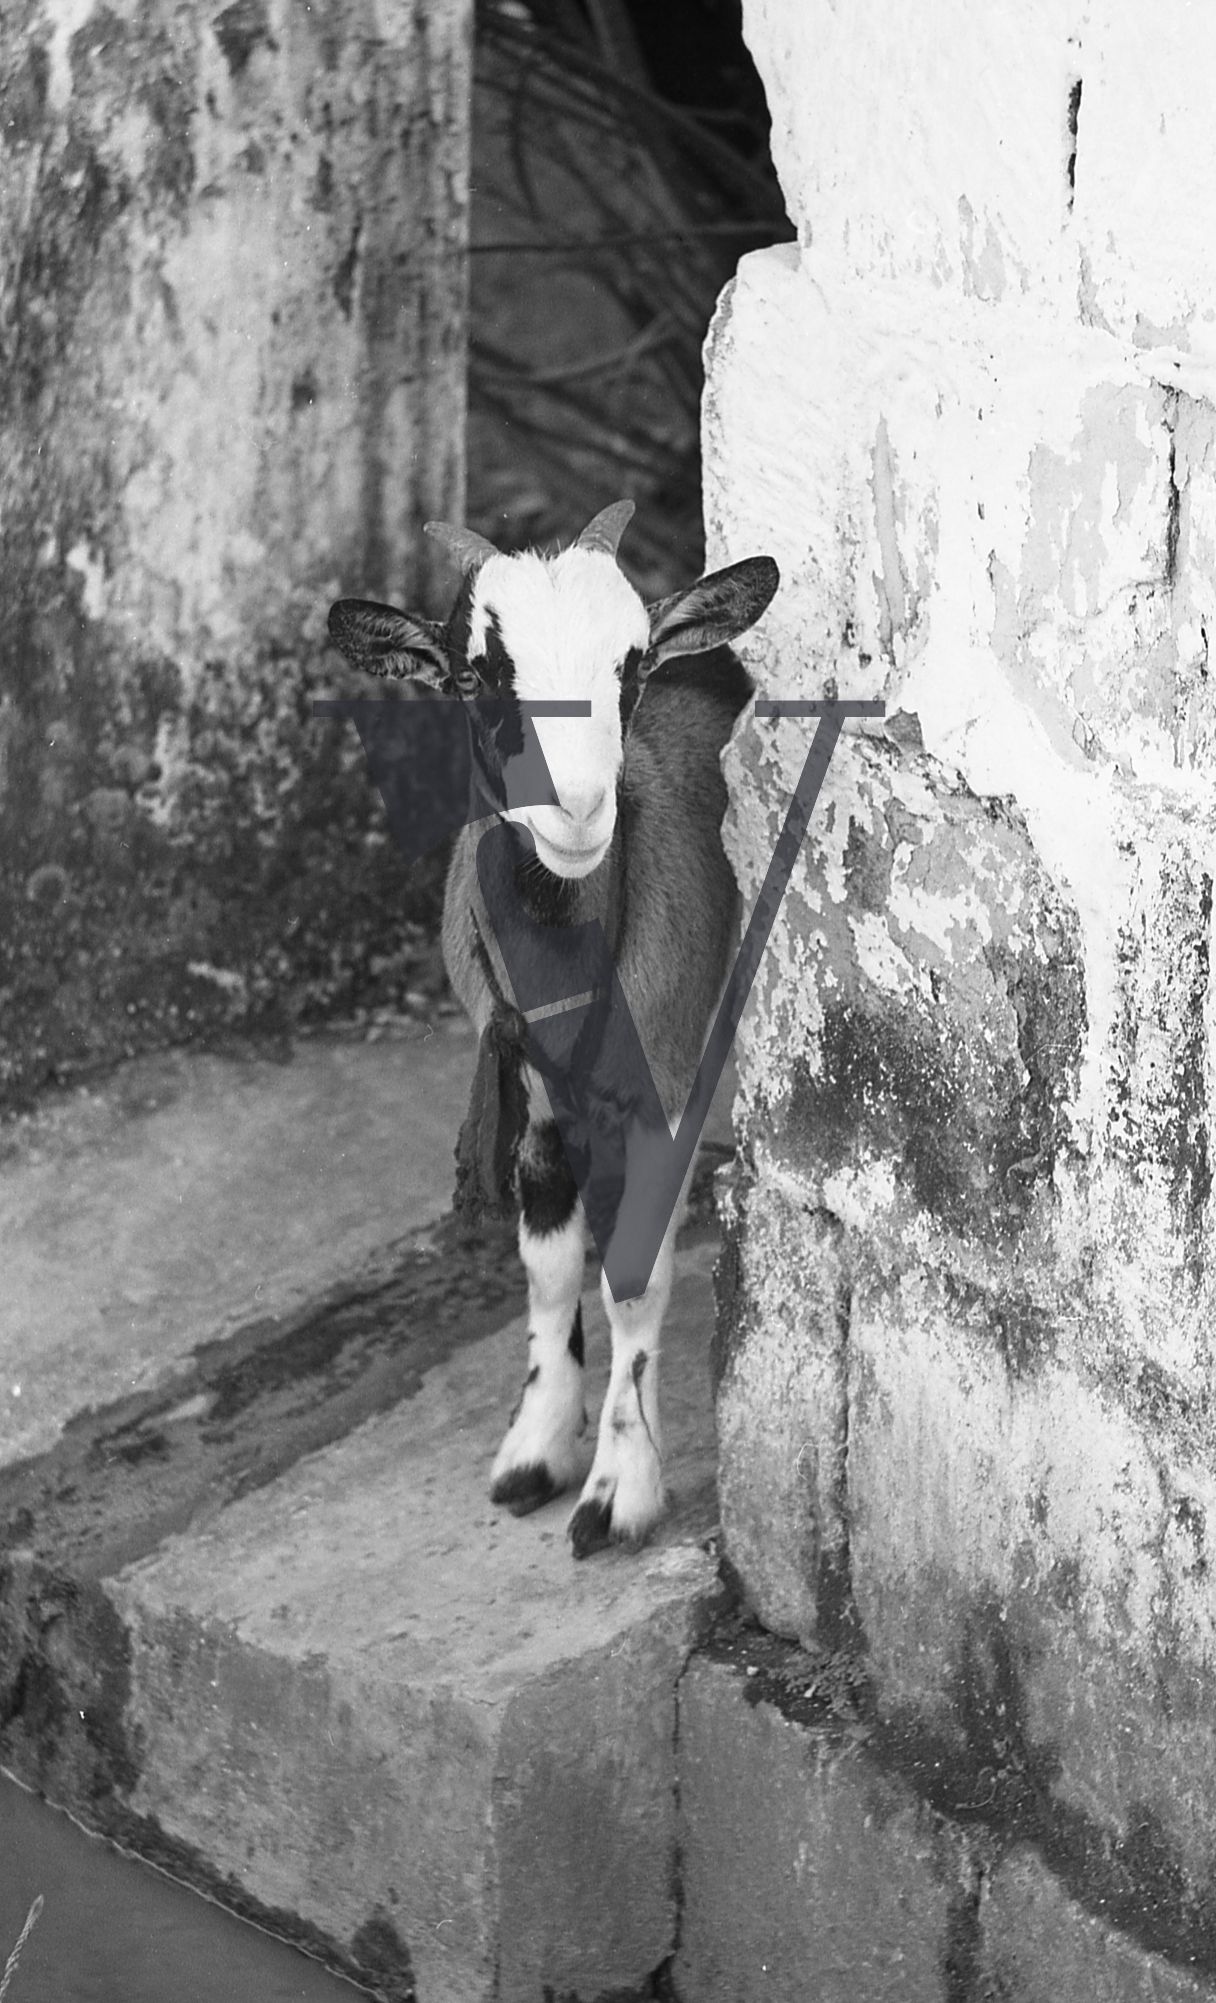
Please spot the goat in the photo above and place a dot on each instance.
(632, 838)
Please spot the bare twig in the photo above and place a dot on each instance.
(10, 1966)
(647, 204)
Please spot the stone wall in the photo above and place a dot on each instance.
(965, 1411)
(232, 311)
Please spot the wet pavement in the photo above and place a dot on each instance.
(112, 1929)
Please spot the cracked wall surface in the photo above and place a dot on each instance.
(970, 414)
(232, 305)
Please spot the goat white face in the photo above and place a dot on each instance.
(571, 628)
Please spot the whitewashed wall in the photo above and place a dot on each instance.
(232, 349)
(966, 1410)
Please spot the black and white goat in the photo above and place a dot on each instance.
(634, 839)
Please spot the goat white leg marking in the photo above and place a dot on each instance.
(538, 1456)
(622, 1497)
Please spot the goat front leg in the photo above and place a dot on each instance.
(538, 1456)
(622, 1498)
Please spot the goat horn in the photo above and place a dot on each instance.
(606, 530)
(469, 549)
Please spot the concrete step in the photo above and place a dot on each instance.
(258, 1620)
(188, 1193)
(367, 1708)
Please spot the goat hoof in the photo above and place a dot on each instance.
(590, 1528)
(523, 1489)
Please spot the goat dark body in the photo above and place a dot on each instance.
(671, 931)
(639, 849)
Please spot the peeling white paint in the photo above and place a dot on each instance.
(880, 959)
(857, 1195)
(938, 918)
(65, 19)
(90, 567)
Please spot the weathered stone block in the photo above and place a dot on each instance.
(805, 1869)
(1037, 1945)
(917, 1023)
(1056, 158)
(782, 1409)
(935, 1465)
(936, 192)
(584, 1791)
(816, 1860)
(1014, 519)
(1028, 1555)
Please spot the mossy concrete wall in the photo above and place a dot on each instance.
(232, 320)
(965, 1403)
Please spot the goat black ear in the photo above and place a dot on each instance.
(713, 612)
(383, 641)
